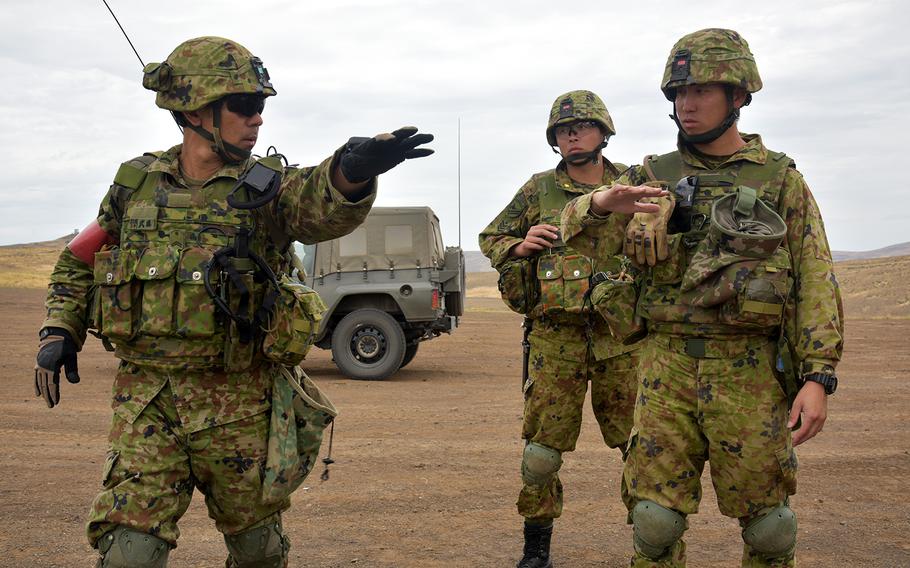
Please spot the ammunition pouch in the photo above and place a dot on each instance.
(293, 323)
(615, 297)
(518, 286)
(300, 414)
(564, 283)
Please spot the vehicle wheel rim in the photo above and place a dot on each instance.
(368, 345)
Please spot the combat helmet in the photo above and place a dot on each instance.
(573, 107)
(711, 55)
(202, 71)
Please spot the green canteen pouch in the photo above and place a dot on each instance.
(293, 323)
(117, 293)
(300, 414)
(517, 285)
(614, 297)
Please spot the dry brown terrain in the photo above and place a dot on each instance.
(427, 470)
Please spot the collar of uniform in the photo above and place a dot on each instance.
(753, 151)
(568, 184)
(169, 163)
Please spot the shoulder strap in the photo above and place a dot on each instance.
(666, 167)
(132, 173)
(771, 174)
(550, 197)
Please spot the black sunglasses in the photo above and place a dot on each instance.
(245, 104)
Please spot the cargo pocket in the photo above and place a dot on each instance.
(576, 275)
(117, 293)
(155, 269)
(549, 274)
(293, 324)
(760, 301)
(195, 315)
(786, 457)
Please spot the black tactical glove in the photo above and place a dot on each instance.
(367, 159)
(56, 349)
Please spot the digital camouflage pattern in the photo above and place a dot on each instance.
(562, 362)
(727, 405)
(155, 463)
(710, 363)
(710, 56)
(578, 105)
(204, 69)
(569, 347)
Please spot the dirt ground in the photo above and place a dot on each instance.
(428, 461)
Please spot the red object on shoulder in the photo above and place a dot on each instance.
(88, 242)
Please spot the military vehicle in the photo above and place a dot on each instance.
(389, 285)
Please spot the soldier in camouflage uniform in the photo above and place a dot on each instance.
(569, 344)
(181, 263)
(744, 316)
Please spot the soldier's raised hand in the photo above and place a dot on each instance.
(620, 198)
(368, 158)
(56, 349)
(538, 238)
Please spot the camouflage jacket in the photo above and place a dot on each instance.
(813, 314)
(509, 228)
(308, 209)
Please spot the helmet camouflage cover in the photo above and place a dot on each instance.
(578, 105)
(711, 55)
(203, 70)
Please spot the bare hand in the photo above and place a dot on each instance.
(538, 238)
(812, 403)
(625, 199)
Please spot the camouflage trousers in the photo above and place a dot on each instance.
(154, 465)
(560, 367)
(724, 404)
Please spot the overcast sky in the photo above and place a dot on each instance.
(836, 95)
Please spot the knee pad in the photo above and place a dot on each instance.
(539, 463)
(260, 547)
(124, 547)
(772, 534)
(655, 529)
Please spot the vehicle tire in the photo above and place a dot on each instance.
(368, 345)
(409, 353)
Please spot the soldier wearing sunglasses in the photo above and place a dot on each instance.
(181, 274)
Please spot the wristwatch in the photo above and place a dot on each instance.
(825, 380)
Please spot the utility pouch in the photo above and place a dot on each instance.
(759, 301)
(518, 286)
(195, 311)
(576, 277)
(155, 270)
(293, 323)
(615, 297)
(117, 293)
(300, 414)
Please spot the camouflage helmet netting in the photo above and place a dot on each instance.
(203, 70)
(714, 56)
(578, 105)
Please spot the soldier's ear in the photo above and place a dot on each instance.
(740, 97)
(196, 117)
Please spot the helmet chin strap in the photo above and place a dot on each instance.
(714, 133)
(229, 153)
(582, 158)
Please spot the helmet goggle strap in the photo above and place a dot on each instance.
(714, 133)
(229, 153)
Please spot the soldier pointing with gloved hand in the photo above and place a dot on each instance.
(744, 314)
(185, 270)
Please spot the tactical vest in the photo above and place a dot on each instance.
(660, 300)
(564, 274)
(153, 301)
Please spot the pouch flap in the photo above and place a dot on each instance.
(157, 263)
(549, 267)
(192, 265)
(576, 267)
(114, 266)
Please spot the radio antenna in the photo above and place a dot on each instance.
(459, 182)
(124, 33)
